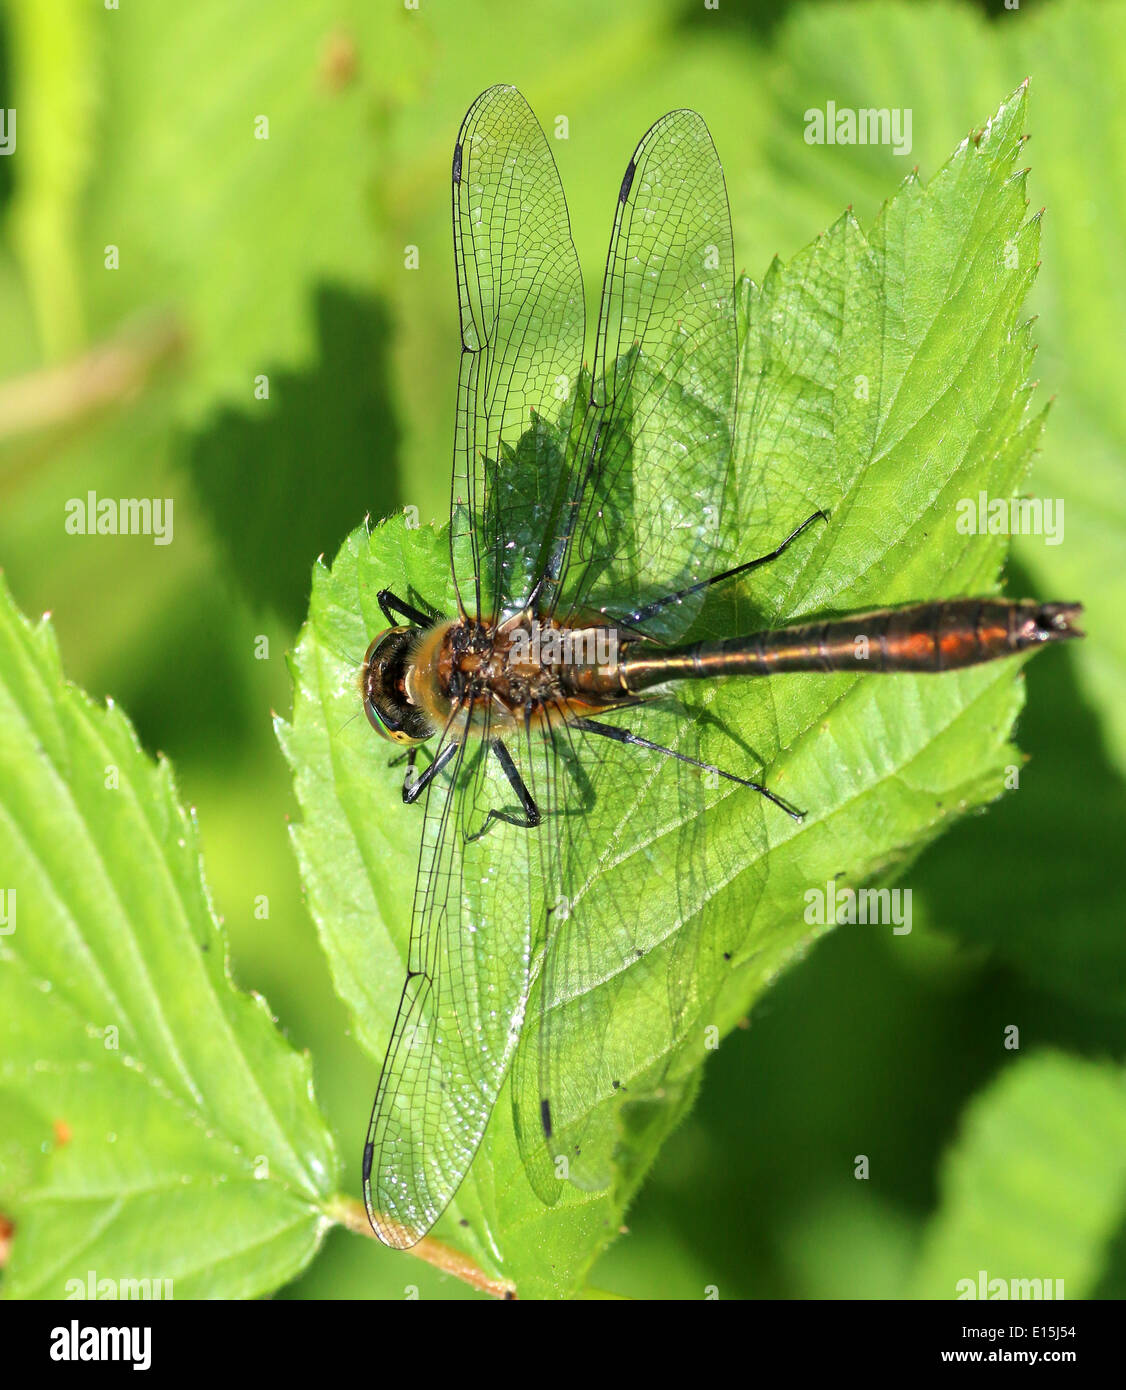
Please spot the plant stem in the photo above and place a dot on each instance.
(351, 1214)
(109, 374)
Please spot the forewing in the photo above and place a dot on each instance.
(462, 1004)
(522, 322)
(655, 447)
(633, 954)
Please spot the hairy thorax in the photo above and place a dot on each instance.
(525, 673)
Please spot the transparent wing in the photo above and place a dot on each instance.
(462, 1005)
(645, 516)
(520, 294)
(599, 953)
(634, 952)
(637, 946)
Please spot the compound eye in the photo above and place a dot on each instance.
(381, 727)
(378, 640)
(375, 719)
(388, 712)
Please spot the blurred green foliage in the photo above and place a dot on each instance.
(288, 258)
(177, 1133)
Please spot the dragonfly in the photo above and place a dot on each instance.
(587, 533)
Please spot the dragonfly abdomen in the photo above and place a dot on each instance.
(941, 636)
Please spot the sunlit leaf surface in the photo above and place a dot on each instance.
(882, 377)
(175, 1131)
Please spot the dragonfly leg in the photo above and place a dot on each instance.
(391, 605)
(413, 786)
(532, 814)
(593, 726)
(407, 757)
(640, 615)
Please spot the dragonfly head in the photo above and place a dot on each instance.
(390, 711)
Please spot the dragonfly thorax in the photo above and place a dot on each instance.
(479, 678)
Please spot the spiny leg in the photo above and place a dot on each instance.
(640, 615)
(592, 726)
(413, 787)
(532, 814)
(391, 605)
(409, 776)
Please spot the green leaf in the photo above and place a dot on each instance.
(178, 1131)
(942, 62)
(1035, 1186)
(883, 377)
(240, 179)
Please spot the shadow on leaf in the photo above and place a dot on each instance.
(286, 480)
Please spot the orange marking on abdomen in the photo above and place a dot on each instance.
(910, 649)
